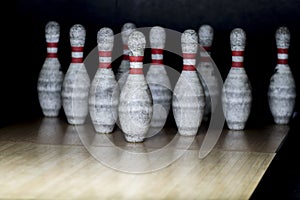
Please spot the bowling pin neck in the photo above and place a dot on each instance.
(105, 40)
(105, 59)
(52, 32)
(77, 54)
(189, 46)
(282, 37)
(52, 48)
(189, 61)
(77, 40)
(136, 65)
(237, 59)
(157, 57)
(282, 56)
(204, 53)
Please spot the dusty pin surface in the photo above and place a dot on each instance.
(206, 70)
(188, 96)
(104, 91)
(158, 81)
(123, 70)
(237, 91)
(50, 78)
(76, 84)
(135, 106)
(282, 87)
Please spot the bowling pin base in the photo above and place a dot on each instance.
(134, 138)
(105, 129)
(282, 120)
(236, 125)
(76, 121)
(51, 113)
(187, 132)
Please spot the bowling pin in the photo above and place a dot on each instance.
(123, 70)
(236, 91)
(104, 91)
(158, 81)
(135, 104)
(51, 77)
(282, 88)
(206, 69)
(76, 84)
(188, 96)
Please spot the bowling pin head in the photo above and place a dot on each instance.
(52, 31)
(77, 35)
(127, 29)
(282, 36)
(136, 43)
(238, 39)
(189, 41)
(105, 39)
(157, 37)
(206, 34)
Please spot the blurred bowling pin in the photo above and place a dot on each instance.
(236, 92)
(76, 83)
(158, 81)
(188, 96)
(206, 69)
(104, 91)
(135, 104)
(51, 77)
(282, 88)
(123, 70)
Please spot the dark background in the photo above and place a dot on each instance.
(25, 46)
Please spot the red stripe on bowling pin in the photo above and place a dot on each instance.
(157, 56)
(136, 64)
(282, 56)
(104, 59)
(189, 61)
(205, 55)
(237, 59)
(77, 54)
(52, 49)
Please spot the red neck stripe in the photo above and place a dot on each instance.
(189, 55)
(136, 71)
(104, 65)
(125, 57)
(136, 58)
(51, 55)
(157, 62)
(157, 51)
(237, 64)
(189, 68)
(77, 49)
(281, 50)
(52, 44)
(104, 53)
(282, 61)
(77, 60)
(237, 53)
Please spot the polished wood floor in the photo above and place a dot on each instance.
(48, 159)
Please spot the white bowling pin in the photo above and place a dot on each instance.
(76, 83)
(158, 81)
(123, 70)
(51, 77)
(188, 96)
(206, 69)
(104, 91)
(135, 104)
(282, 88)
(237, 92)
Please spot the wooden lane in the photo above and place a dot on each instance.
(46, 160)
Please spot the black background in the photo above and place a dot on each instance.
(25, 48)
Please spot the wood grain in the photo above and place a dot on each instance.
(49, 162)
